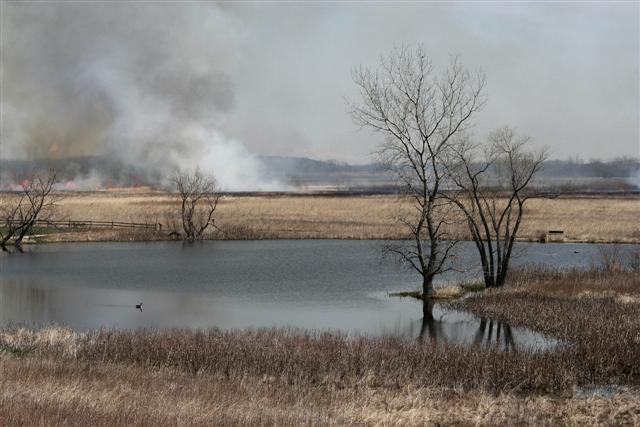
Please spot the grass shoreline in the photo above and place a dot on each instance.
(92, 237)
(443, 293)
(278, 376)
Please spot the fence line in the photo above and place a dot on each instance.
(96, 224)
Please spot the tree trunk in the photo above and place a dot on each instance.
(489, 282)
(427, 286)
(502, 277)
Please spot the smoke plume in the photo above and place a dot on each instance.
(143, 84)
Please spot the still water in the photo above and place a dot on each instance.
(335, 285)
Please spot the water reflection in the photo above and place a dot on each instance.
(430, 327)
(442, 324)
(25, 302)
(320, 285)
(503, 339)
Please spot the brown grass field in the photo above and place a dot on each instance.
(56, 376)
(583, 219)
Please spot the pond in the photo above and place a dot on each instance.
(337, 285)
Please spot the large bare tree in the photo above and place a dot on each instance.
(493, 183)
(199, 198)
(20, 212)
(419, 113)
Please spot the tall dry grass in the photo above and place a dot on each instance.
(51, 392)
(301, 358)
(584, 219)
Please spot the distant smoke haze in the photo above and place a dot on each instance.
(160, 85)
(142, 84)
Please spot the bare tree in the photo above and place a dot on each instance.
(20, 212)
(418, 113)
(493, 185)
(198, 202)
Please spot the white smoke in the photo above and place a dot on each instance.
(236, 168)
(141, 83)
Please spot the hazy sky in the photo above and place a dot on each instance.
(565, 74)
(274, 76)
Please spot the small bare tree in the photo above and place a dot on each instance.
(199, 198)
(20, 212)
(418, 113)
(493, 185)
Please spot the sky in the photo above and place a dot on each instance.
(159, 81)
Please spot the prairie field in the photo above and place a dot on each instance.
(56, 375)
(583, 219)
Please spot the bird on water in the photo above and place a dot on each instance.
(139, 306)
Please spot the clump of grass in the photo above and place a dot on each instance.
(54, 341)
(13, 350)
(477, 286)
(407, 294)
(448, 292)
(441, 293)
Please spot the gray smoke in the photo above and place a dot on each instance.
(141, 83)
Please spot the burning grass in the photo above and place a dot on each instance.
(278, 376)
(583, 219)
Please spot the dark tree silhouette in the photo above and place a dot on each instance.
(20, 212)
(493, 185)
(419, 113)
(199, 198)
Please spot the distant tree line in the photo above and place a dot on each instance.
(621, 167)
(112, 172)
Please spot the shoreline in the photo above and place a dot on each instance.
(160, 377)
(89, 239)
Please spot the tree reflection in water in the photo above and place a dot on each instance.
(490, 332)
(503, 336)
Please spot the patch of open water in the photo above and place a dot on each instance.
(337, 285)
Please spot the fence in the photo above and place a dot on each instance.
(96, 224)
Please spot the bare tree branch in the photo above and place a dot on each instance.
(492, 188)
(198, 202)
(19, 213)
(419, 113)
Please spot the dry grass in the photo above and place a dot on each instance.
(50, 392)
(584, 219)
(289, 377)
(595, 311)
